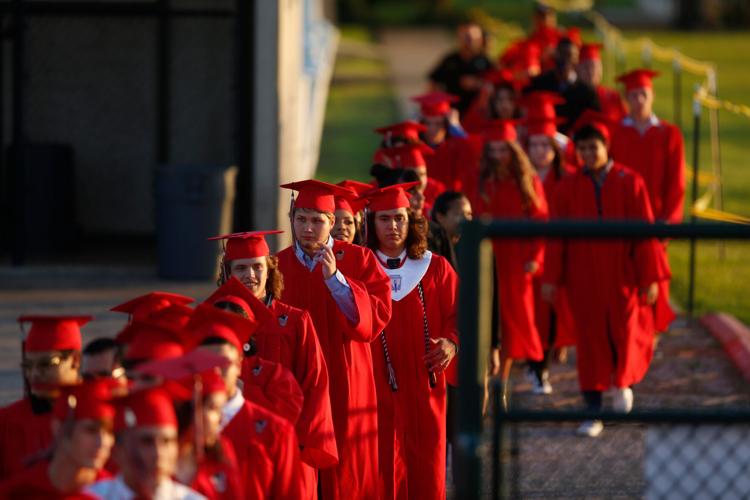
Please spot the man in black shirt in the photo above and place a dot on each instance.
(458, 73)
(564, 81)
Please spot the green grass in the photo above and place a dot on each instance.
(360, 99)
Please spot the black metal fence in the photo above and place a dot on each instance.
(683, 453)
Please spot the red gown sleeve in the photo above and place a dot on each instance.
(372, 297)
(645, 253)
(315, 423)
(674, 189)
(288, 473)
(539, 212)
(448, 292)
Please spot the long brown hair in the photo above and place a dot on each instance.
(416, 236)
(520, 169)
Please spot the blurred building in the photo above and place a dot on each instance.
(102, 93)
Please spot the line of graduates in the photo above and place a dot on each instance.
(540, 138)
(320, 371)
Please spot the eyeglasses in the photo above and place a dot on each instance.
(42, 364)
(116, 373)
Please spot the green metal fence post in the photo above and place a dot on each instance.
(696, 157)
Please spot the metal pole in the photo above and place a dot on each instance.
(677, 93)
(244, 112)
(696, 157)
(467, 463)
(716, 153)
(18, 198)
(163, 80)
(497, 438)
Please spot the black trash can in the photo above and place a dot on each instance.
(193, 203)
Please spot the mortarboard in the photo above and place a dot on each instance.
(546, 127)
(53, 333)
(316, 195)
(209, 321)
(638, 78)
(237, 293)
(247, 245)
(574, 35)
(409, 130)
(89, 400)
(499, 130)
(350, 202)
(389, 197)
(590, 52)
(596, 119)
(151, 407)
(409, 155)
(141, 307)
(435, 104)
(540, 105)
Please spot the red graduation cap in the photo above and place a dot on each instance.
(53, 333)
(596, 119)
(546, 127)
(316, 195)
(590, 52)
(141, 307)
(499, 130)
(409, 130)
(540, 105)
(235, 292)
(151, 407)
(409, 155)
(90, 400)
(247, 245)
(208, 321)
(147, 341)
(522, 55)
(574, 35)
(185, 366)
(435, 104)
(350, 203)
(171, 318)
(638, 78)
(498, 77)
(389, 197)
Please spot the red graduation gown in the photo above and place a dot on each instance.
(347, 355)
(614, 327)
(659, 156)
(411, 421)
(22, 434)
(446, 164)
(564, 329)
(219, 478)
(34, 484)
(272, 386)
(267, 453)
(290, 339)
(518, 333)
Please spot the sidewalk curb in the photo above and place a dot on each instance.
(734, 337)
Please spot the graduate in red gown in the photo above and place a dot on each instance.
(214, 471)
(653, 148)
(348, 213)
(444, 136)
(348, 298)
(553, 321)
(265, 444)
(285, 335)
(51, 356)
(510, 189)
(611, 284)
(414, 351)
(589, 71)
(82, 422)
(413, 157)
(496, 101)
(145, 449)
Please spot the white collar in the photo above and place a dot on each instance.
(231, 409)
(653, 121)
(407, 277)
(384, 258)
